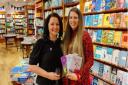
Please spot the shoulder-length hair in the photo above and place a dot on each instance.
(77, 44)
(46, 30)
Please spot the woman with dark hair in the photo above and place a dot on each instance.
(47, 52)
(78, 41)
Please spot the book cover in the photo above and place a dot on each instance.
(115, 56)
(94, 35)
(110, 37)
(104, 54)
(109, 54)
(117, 38)
(76, 63)
(99, 36)
(119, 78)
(87, 6)
(105, 36)
(98, 52)
(107, 20)
(124, 20)
(100, 18)
(126, 4)
(107, 72)
(98, 6)
(124, 40)
(121, 3)
(101, 70)
(122, 58)
(117, 19)
(95, 67)
(110, 4)
(95, 81)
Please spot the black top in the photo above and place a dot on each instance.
(47, 54)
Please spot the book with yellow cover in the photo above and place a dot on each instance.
(117, 38)
(105, 36)
(107, 20)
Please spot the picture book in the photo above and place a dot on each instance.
(107, 72)
(117, 20)
(95, 81)
(115, 56)
(105, 36)
(107, 20)
(98, 52)
(124, 39)
(110, 37)
(99, 36)
(117, 38)
(104, 54)
(119, 78)
(124, 20)
(95, 67)
(98, 6)
(100, 22)
(121, 3)
(110, 4)
(87, 6)
(101, 70)
(122, 58)
(109, 54)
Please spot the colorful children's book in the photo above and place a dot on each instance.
(115, 56)
(110, 37)
(87, 6)
(124, 20)
(122, 58)
(124, 39)
(117, 38)
(99, 36)
(110, 4)
(121, 3)
(117, 20)
(107, 20)
(105, 36)
(98, 52)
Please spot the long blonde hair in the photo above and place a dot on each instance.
(77, 44)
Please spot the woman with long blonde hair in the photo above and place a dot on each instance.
(76, 40)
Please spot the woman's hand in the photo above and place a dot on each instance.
(53, 76)
(72, 76)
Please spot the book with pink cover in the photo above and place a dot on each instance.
(71, 62)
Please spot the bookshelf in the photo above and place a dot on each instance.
(2, 24)
(29, 13)
(19, 22)
(39, 17)
(113, 10)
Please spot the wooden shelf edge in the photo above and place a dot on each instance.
(111, 64)
(109, 82)
(107, 11)
(111, 46)
(106, 28)
(71, 4)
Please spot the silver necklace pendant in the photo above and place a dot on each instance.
(50, 49)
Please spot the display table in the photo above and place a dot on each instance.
(8, 37)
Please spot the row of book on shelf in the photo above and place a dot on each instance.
(108, 73)
(111, 55)
(107, 20)
(102, 5)
(110, 37)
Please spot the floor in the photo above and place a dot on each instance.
(9, 57)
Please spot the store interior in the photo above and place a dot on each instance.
(22, 21)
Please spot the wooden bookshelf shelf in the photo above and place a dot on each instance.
(107, 11)
(112, 65)
(111, 46)
(71, 4)
(48, 9)
(106, 28)
(103, 79)
(58, 7)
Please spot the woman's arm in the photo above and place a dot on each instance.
(43, 73)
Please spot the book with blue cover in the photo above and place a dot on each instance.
(98, 52)
(99, 36)
(110, 4)
(122, 58)
(115, 56)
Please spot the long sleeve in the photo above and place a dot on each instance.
(88, 60)
(35, 54)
